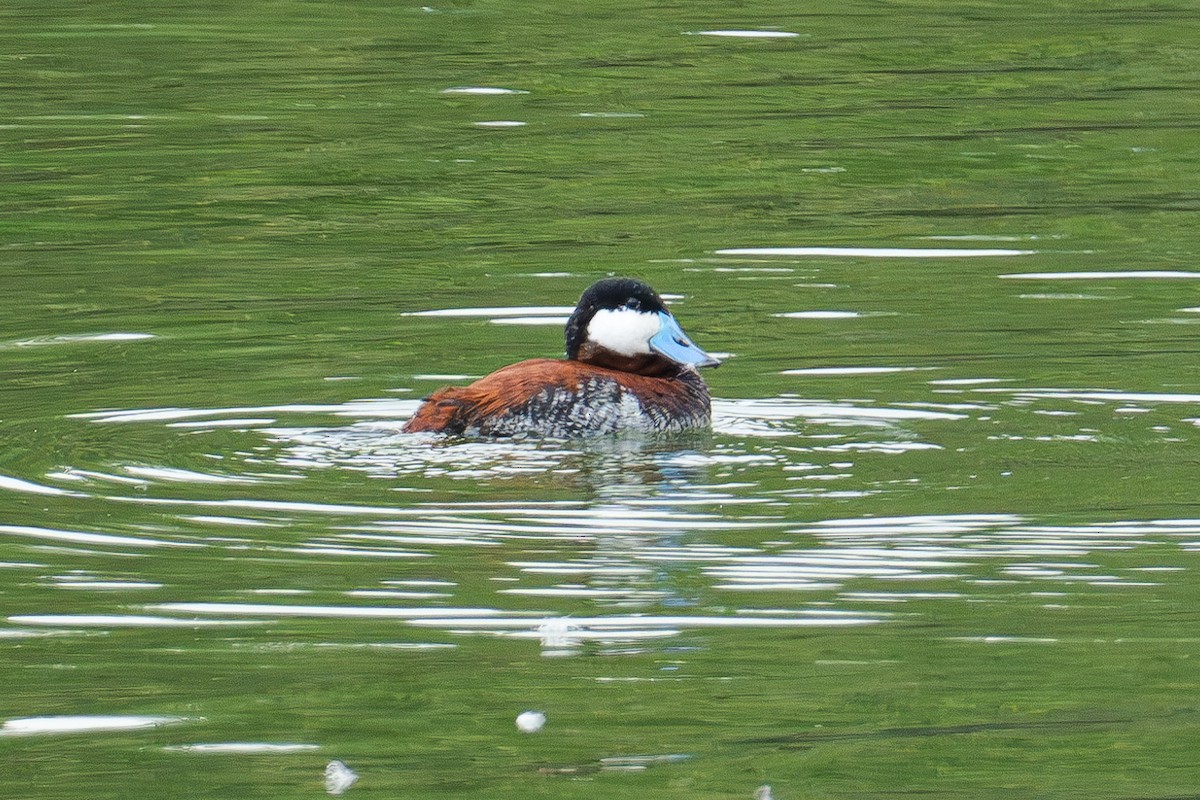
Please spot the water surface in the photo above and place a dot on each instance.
(942, 538)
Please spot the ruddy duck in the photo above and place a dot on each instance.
(629, 367)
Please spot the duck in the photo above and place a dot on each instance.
(629, 367)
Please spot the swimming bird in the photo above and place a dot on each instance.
(629, 367)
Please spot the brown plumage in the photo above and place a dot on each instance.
(530, 395)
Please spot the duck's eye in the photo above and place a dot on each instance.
(633, 304)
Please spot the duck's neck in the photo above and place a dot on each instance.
(650, 364)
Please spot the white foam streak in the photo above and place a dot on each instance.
(851, 370)
(637, 621)
(575, 635)
(358, 552)
(502, 311)
(872, 252)
(177, 475)
(40, 726)
(86, 337)
(819, 315)
(339, 612)
(122, 621)
(358, 408)
(954, 523)
(18, 485)
(242, 422)
(241, 747)
(482, 90)
(784, 408)
(97, 585)
(746, 34)
(83, 537)
(265, 505)
(1102, 276)
(1101, 395)
(557, 322)
(593, 593)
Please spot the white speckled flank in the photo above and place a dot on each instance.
(601, 406)
(623, 330)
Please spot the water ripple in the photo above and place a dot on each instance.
(41, 726)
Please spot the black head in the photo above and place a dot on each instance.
(609, 293)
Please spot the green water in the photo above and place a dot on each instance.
(944, 542)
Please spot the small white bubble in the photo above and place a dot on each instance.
(338, 778)
(530, 721)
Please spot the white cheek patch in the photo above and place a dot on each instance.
(623, 330)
